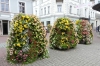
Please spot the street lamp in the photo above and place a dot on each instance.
(89, 17)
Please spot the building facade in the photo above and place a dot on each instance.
(49, 10)
(9, 8)
(97, 14)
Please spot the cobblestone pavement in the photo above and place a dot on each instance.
(82, 55)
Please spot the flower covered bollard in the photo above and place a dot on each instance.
(63, 35)
(27, 40)
(84, 31)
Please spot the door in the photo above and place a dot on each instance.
(5, 28)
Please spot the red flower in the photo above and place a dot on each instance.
(72, 41)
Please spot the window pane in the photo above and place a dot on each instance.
(7, 1)
(7, 7)
(20, 9)
(48, 9)
(59, 7)
(23, 9)
(23, 4)
(19, 3)
(2, 1)
(2, 7)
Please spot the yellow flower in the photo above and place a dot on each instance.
(77, 22)
(66, 23)
(26, 20)
(23, 17)
(17, 40)
(66, 38)
(27, 17)
(62, 41)
(15, 52)
(20, 22)
(24, 43)
(63, 33)
(14, 45)
(16, 24)
(21, 36)
(67, 27)
(25, 26)
(25, 34)
(24, 37)
(19, 45)
(20, 30)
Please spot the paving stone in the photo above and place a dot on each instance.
(82, 55)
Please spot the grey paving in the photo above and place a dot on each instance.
(3, 45)
(82, 55)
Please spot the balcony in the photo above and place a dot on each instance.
(6, 15)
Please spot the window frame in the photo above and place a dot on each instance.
(59, 9)
(21, 10)
(70, 9)
(5, 7)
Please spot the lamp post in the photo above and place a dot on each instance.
(89, 17)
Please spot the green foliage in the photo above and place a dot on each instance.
(63, 35)
(27, 40)
(84, 31)
(49, 27)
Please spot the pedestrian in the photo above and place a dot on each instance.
(98, 28)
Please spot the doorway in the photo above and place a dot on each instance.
(5, 28)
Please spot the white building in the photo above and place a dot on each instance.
(49, 10)
(97, 14)
(8, 8)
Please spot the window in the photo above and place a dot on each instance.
(48, 9)
(59, 1)
(41, 1)
(42, 23)
(78, 12)
(48, 22)
(21, 7)
(85, 12)
(70, 9)
(91, 13)
(4, 5)
(45, 11)
(59, 8)
(41, 12)
(36, 2)
(36, 12)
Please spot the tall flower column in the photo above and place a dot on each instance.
(27, 40)
(63, 35)
(84, 31)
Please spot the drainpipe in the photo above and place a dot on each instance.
(1, 28)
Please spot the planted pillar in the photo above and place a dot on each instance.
(84, 31)
(27, 40)
(63, 35)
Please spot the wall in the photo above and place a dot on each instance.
(14, 6)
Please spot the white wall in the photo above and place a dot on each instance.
(76, 4)
(14, 6)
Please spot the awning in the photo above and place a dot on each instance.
(96, 7)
